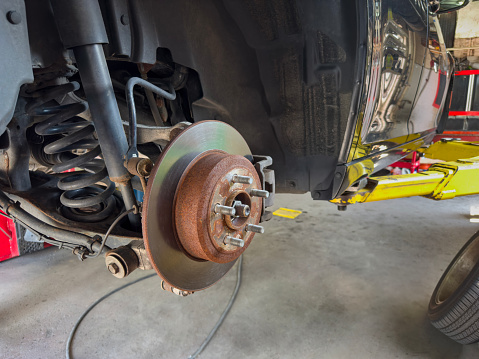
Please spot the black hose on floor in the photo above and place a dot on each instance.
(75, 327)
(224, 314)
(205, 342)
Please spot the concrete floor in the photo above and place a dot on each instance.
(327, 284)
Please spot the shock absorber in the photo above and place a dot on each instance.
(81, 29)
(65, 135)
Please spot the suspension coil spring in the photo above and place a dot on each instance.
(64, 131)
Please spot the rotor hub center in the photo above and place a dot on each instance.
(215, 205)
(196, 186)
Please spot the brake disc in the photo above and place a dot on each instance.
(192, 235)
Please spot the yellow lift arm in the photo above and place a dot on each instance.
(445, 180)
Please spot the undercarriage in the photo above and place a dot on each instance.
(155, 134)
(103, 155)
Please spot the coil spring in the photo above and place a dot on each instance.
(83, 200)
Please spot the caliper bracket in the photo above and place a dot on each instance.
(266, 177)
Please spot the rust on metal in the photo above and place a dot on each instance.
(121, 180)
(6, 161)
(121, 261)
(205, 183)
(236, 223)
(175, 132)
(140, 167)
(160, 102)
(138, 246)
(169, 288)
(170, 260)
(145, 67)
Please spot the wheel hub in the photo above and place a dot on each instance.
(207, 196)
(201, 206)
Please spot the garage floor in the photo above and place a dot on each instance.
(327, 284)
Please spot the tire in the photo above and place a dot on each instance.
(454, 305)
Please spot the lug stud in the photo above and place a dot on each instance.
(254, 228)
(242, 210)
(242, 179)
(227, 211)
(259, 193)
(237, 242)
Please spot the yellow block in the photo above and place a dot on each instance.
(287, 213)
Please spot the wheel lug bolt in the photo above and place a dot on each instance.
(254, 228)
(227, 211)
(237, 242)
(242, 210)
(259, 193)
(242, 179)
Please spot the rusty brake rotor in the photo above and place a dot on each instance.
(202, 205)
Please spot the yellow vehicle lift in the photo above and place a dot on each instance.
(445, 180)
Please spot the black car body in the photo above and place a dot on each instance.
(332, 91)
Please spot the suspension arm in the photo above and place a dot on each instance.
(13, 209)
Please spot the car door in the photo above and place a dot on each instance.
(434, 82)
(399, 48)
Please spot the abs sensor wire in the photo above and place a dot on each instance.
(205, 342)
(112, 226)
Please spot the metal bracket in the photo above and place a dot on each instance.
(138, 247)
(267, 182)
(156, 134)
